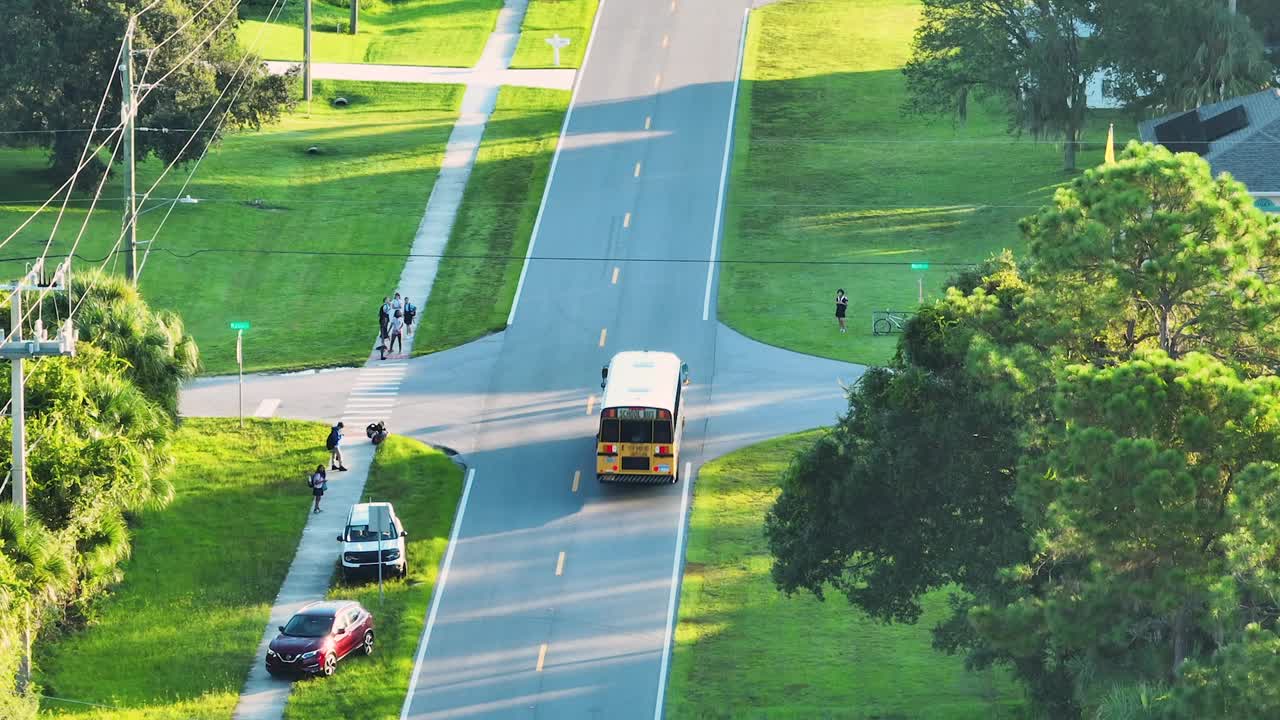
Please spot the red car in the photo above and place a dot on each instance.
(318, 636)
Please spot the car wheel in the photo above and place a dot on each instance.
(330, 664)
(367, 646)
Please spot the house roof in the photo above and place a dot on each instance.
(1251, 153)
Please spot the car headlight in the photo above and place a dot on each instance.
(271, 653)
(308, 655)
(348, 557)
(393, 555)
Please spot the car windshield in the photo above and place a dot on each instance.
(308, 626)
(363, 533)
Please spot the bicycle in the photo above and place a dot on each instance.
(887, 322)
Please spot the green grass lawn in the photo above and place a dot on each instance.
(424, 485)
(471, 297)
(570, 19)
(175, 639)
(362, 195)
(825, 169)
(450, 33)
(745, 650)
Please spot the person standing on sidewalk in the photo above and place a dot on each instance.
(384, 326)
(333, 444)
(397, 331)
(410, 312)
(318, 483)
(397, 304)
(842, 304)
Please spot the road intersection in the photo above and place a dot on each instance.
(559, 595)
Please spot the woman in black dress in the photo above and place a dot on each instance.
(842, 304)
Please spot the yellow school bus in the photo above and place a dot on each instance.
(641, 418)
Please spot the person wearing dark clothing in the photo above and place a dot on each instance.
(318, 483)
(384, 327)
(842, 304)
(410, 312)
(332, 444)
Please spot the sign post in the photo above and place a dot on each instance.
(240, 326)
(920, 280)
(379, 522)
(556, 42)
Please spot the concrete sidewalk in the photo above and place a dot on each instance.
(479, 75)
(374, 392)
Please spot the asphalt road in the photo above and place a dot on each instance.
(513, 637)
(518, 629)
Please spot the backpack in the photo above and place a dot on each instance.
(332, 441)
(410, 309)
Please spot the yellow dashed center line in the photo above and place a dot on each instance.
(626, 220)
(673, 5)
(560, 564)
(657, 80)
(591, 401)
(604, 332)
(648, 121)
(542, 657)
(666, 40)
(637, 172)
(615, 276)
(577, 477)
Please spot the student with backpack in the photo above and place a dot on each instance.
(332, 444)
(410, 312)
(384, 327)
(318, 484)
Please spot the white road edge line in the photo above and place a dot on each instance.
(724, 169)
(671, 604)
(435, 595)
(555, 160)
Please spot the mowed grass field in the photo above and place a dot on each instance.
(745, 650)
(477, 280)
(570, 19)
(424, 486)
(450, 33)
(828, 171)
(176, 638)
(302, 245)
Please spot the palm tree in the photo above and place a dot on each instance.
(111, 314)
(41, 570)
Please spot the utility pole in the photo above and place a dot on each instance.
(355, 16)
(306, 52)
(16, 350)
(129, 115)
(1232, 5)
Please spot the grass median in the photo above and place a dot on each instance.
(424, 486)
(300, 229)
(569, 19)
(745, 650)
(477, 280)
(449, 33)
(828, 171)
(175, 639)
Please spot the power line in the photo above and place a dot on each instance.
(244, 80)
(195, 252)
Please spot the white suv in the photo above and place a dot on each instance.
(360, 542)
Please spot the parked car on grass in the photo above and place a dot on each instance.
(360, 542)
(318, 636)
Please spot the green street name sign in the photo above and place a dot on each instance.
(240, 325)
(919, 266)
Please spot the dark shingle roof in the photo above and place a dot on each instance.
(1252, 154)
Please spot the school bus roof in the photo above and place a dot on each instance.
(642, 379)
